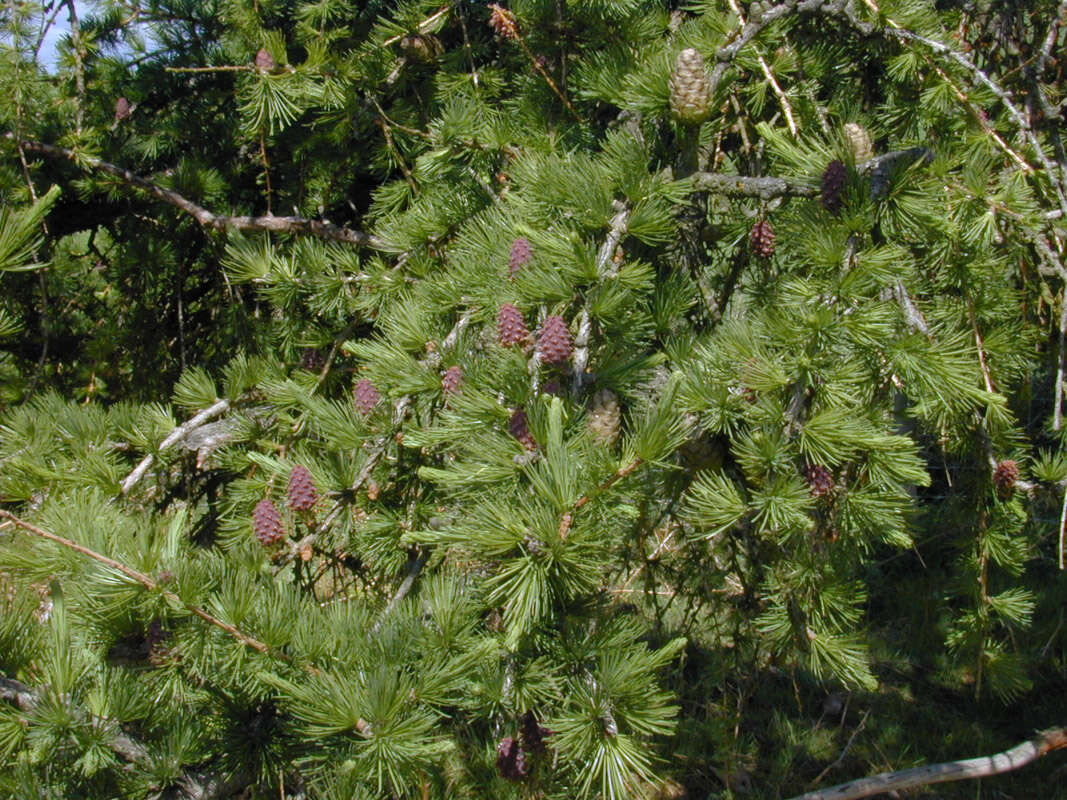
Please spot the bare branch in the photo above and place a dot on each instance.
(414, 568)
(783, 100)
(744, 186)
(321, 229)
(606, 268)
(175, 436)
(980, 767)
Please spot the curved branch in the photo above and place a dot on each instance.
(321, 229)
(981, 767)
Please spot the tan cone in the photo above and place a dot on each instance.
(690, 88)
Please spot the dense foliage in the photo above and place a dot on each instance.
(581, 399)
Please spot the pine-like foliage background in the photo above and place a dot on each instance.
(577, 399)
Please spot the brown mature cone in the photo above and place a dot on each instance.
(554, 340)
(820, 480)
(690, 88)
(604, 417)
(267, 523)
(1005, 476)
(302, 494)
(521, 252)
(122, 109)
(503, 22)
(365, 396)
(833, 182)
(520, 430)
(510, 326)
(860, 142)
(761, 239)
(264, 60)
(452, 379)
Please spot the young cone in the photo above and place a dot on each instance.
(267, 523)
(521, 252)
(1005, 476)
(520, 430)
(264, 60)
(302, 494)
(555, 340)
(690, 88)
(761, 239)
(833, 182)
(451, 380)
(605, 417)
(511, 327)
(365, 396)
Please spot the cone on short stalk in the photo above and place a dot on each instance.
(365, 396)
(761, 239)
(833, 184)
(521, 253)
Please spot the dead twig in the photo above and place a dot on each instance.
(175, 436)
(606, 269)
(321, 229)
(981, 767)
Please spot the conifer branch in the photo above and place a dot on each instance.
(190, 785)
(897, 31)
(221, 68)
(175, 436)
(1050, 38)
(510, 30)
(321, 229)
(912, 315)
(783, 100)
(146, 581)
(1061, 363)
(1063, 531)
(423, 27)
(78, 51)
(756, 23)
(364, 474)
(982, 122)
(568, 517)
(981, 767)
